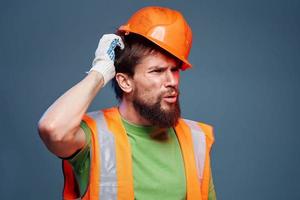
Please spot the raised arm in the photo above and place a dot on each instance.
(59, 127)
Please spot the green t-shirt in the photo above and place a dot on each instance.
(158, 168)
(154, 174)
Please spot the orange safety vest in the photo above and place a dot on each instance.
(111, 162)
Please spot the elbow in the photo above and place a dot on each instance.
(48, 132)
(53, 137)
(58, 139)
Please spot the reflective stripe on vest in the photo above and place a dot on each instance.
(199, 146)
(107, 152)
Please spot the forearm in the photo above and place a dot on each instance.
(64, 115)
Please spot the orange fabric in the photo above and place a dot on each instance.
(185, 140)
(165, 27)
(208, 131)
(93, 188)
(70, 187)
(123, 155)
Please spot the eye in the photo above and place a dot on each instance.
(158, 70)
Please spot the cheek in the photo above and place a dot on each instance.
(147, 85)
(148, 88)
(149, 94)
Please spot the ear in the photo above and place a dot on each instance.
(125, 82)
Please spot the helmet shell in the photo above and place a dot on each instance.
(165, 27)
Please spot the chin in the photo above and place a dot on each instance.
(168, 107)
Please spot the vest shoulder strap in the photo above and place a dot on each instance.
(202, 140)
(208, 131)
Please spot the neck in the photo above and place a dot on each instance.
(129, 113)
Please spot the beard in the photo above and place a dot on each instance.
(154, 112)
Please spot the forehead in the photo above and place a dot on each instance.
(156, 59)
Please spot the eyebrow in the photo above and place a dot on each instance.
(155, 67)
(161, 67)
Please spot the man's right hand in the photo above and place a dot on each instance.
(105, 56)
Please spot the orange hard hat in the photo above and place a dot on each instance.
(165, 27)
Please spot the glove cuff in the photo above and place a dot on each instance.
(106, 68)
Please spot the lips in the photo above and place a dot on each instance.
(170, 98)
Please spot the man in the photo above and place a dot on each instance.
(141, 149)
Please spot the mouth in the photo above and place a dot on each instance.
(170, 98)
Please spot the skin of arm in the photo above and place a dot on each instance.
(59, 127)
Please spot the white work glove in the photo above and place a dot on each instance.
(105, 56)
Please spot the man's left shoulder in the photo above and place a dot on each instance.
(207, 129)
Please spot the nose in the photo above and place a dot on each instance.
(172, 78)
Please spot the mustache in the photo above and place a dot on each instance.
(171, 92)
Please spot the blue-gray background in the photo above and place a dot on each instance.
(245, 82)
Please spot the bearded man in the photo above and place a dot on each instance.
(140, 149)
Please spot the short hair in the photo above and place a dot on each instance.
(136, 48)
